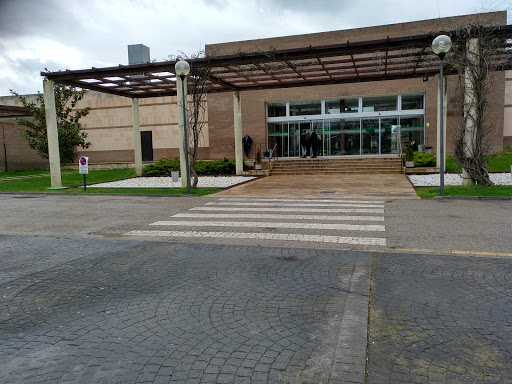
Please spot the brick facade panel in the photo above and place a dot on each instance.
(15, 154)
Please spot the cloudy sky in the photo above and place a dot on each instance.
(80, 34)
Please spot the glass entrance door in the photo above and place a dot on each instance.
(388, 135)
(278, 138)
(293, 140)
(304, 128)
(338, 137)
(370, 136)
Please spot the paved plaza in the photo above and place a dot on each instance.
(117, 311)
(228, 288)
(440, 319)
(127, 311)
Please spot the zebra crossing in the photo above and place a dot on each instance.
(269, 220)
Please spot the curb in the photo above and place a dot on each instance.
(472, 197)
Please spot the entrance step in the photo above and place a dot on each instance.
(375, 165)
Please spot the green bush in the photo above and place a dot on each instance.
(216, 167)
(162, 168)
(424, 159)
(409, 154)
(206, 168)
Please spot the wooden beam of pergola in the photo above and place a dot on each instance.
(374, 60)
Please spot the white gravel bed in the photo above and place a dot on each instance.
(433, 180)
(166, 182)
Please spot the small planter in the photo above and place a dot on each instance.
(258, 167)
(409, 164)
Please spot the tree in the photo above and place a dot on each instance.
(197, 86)
(476, 56)
(69, 127)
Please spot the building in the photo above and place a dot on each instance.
(352, 119)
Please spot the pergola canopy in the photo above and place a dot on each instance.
(348, 62)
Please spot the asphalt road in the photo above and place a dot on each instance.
(470, 226)
(109, 289)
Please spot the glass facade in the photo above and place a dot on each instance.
(304, 108)
(341, 106)
(374, 125)
(380, 103)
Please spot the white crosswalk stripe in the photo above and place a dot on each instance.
(299, 204)
(272, 219)
(259, 224)
(278, 217)
(265, 236)
(308, 200)
(291, 209)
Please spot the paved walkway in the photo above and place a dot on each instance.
(440, 319)
(221, 309)
(370, 186)
(120, 311)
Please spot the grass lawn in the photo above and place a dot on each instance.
(477, 190)
(497, 163)
(24, 173)
(40, 184)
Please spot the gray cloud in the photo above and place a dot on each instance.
(41, 17)
(96, 32)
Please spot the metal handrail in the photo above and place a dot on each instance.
(270, 159)
(400, 153)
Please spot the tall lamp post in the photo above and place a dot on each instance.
(182, 69)
(441, 45)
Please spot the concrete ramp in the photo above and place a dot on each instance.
(389, 186)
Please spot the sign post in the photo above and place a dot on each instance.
(83, 168)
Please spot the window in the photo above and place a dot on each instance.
(380, 103)
(299, 108)
(276, 109)
(341, 106)
(412, 102)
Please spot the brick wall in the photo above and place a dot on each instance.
(507, 119)
(15, 154)
(220, 106)
(357, 34)
(110, 129)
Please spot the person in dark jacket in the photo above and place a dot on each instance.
(314, 142)
(308, 144)
(247, 144)
(303, 145)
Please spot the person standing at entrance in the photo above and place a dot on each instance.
(247, 141)
(314, 143)
(303, 144)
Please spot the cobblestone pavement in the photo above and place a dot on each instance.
(125, 311)
(441, 319)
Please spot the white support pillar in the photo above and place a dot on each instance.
(470, 103)
(53, 135)
(237, 111)
(181, 119)
(445, 104)
(137, 146)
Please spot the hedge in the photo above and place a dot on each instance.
(164, 167)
